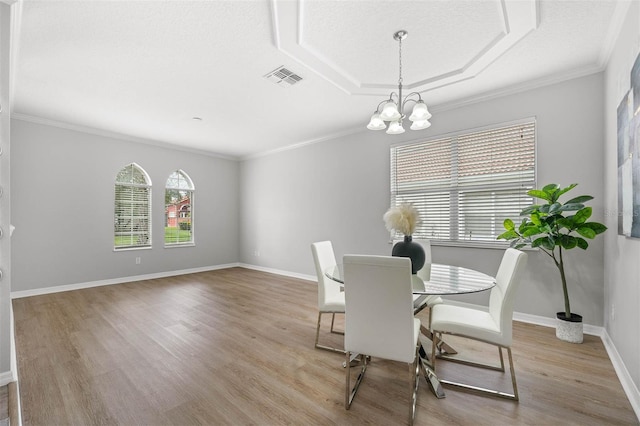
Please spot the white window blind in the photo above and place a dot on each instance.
(178, 199)
(132, 222)
(466, 184)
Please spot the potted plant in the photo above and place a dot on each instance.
(404, 218)
(554, 227)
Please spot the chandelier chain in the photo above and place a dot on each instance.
(400, 57)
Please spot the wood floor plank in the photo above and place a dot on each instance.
(235, 347)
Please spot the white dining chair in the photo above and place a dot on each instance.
(493, 326)
(330, 296)
(379, 319)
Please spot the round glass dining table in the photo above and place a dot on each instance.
(442, 279)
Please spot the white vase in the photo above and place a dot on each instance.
(569, 330)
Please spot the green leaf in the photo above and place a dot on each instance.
(567, 207)
(582, 215)
(544, 208)
(555, 207)
(518, 245)
(528, 210)
(539, 194)
(582, 243)
(544, 242)
(566, 222)
(586, 232)
(579, 200)
(530, 231)
(508, 224)
(551, 188)
(565, 190)
(597, 227)
(508, 235)
(535, 218)
(568, 242)
(523, 226)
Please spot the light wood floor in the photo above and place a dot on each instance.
(235, 347)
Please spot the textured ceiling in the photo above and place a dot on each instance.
(145, 69)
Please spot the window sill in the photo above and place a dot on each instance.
(477, 244)
(177, 245)
(131, 248)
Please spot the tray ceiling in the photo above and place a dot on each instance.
(191, 74)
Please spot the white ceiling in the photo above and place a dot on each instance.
(145, 69)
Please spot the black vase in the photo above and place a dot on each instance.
(413, 251)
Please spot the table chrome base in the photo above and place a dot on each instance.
(430, 375)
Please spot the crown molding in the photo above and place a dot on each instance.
(302, 144)
(519, 88)
(114, 135)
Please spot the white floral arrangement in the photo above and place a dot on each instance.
(402, 218)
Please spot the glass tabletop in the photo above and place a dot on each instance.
(442, 279)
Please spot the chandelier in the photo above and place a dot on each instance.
(392, 110)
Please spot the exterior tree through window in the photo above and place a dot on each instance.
(178, 199)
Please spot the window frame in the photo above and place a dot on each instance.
(454, 188)
(178, 212)
(147, 185)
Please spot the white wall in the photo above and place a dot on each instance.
(339, 190)
(62, 207)
(622, 260)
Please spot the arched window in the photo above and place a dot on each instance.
(178, 216)
(132, 220)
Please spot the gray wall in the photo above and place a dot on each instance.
(62, 206)
(339, 190)
(622, 260)
(5, 199)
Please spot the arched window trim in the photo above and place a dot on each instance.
(175, 229)
(132, 227)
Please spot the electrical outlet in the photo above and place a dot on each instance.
(138, 260)
(256, 253)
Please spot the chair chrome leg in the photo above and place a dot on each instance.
(333, 318)
(492, 392)
(434, 345)
(351, 393)
(327, 348)
(513, 376)
(414, 370)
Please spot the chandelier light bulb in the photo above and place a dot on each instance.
(420, 125)
(376, 122)
(395, 128)
(420, 112)
(390, 111)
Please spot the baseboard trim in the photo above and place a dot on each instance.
(280, 272)
(79, 286)
(630, 388)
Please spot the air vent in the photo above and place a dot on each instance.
(283, 77)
